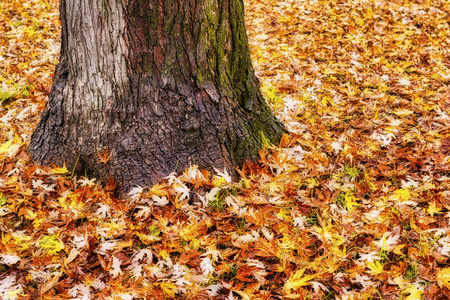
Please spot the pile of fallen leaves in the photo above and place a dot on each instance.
(354, 204)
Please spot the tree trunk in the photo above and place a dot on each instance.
(162, 84)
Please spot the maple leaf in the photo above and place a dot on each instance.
(172, 177)
(317, 286)
(110, 185)
(8, 116)
(350, 202)
(398, 249)
(434, 209)
(86, 182)
(297, 280)
(40, 184)
(168, 288)
(336, 146)
(268, 234)
(136, 269)
(4, 211)
(443, 277)
(144, 212)
(414, 292)
(223, 176)
(160, 201)
(51, 244)
(60, 170)
(184, 191)
(135, 192)
(193, 174)
(401, 194)
(21, 239)
(247, 238)
(105, 157)
(290, 105)
(191, 230)
(260, 272)
(388, 241)
(375, 267)
(11, 147)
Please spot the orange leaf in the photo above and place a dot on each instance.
(104, 158)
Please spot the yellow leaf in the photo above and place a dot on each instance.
(37, 223)
(191, 231)
(400, 281)
(350, 202)
(297, 280)
(58, 170)
(163, 254)
(21, 240)
(27, 192)
(327, 232)
(30, 32)
(29, 214)
(13, 294)
(285, 214)
(194, 244)
(414, 293)
(293, 296)
(51, 244)
(401, 194)
(11, 147)
(434, 209)
(281, 267)
(125, 244)
(147, 239)
(159, 190)
(375, 267)
(22, 66)
(168, 288)
(443, 277)
(398, 249)
(243, 295)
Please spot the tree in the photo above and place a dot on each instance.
(157, 84)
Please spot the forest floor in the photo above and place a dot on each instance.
(353, 204)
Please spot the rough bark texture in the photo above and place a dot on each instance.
(163, 84)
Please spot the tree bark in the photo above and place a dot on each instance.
(161, 84)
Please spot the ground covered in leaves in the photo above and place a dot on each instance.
(354, 204)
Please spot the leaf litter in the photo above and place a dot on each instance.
(353, 204)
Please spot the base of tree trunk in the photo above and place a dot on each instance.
(146, 89)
